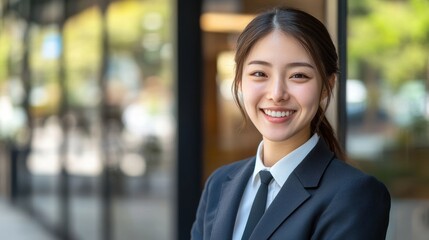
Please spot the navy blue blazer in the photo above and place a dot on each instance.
(323, 198)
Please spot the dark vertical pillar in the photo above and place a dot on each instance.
(23, 175)
(189, 96)
(342, 49)
(106, 196)
(64, 189)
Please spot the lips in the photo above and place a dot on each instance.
(278, 113)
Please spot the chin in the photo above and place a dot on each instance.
(277, 138)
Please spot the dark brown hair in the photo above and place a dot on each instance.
(314, 37)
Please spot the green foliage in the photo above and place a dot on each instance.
(126, 33)
(141, 30)
(360, 7)
(4, 52)
(392, 37)
(125, 20)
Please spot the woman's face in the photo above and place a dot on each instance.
(281, 88)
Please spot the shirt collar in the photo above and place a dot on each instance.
(285, 166)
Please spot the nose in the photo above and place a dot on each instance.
(278, 90)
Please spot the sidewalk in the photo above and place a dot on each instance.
(17, 225)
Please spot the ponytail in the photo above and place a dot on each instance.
(323, 128)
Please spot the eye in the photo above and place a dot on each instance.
(258, 74)
(299, 75)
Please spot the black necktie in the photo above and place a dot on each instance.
(259, 204)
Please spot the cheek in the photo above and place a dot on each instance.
(248, 102)
(250, 94)
(309, 97)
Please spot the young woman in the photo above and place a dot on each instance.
(286, 66)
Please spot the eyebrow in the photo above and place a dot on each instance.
(293, 64)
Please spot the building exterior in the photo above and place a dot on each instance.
(115, 112)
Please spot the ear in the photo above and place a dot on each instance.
(328, 89)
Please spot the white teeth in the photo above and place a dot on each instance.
(277, 113)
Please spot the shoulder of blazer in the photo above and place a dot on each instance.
(226, 172)
(321, 163)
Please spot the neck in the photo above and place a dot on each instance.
(274, 151)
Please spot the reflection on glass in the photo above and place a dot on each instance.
(80, 125)
(387, 105)
(82, 152)
(41, 103)
(140, 97)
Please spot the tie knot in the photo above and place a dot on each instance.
(265, 177)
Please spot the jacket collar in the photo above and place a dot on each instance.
(294, 192)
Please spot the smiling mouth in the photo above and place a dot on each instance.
(278, 114)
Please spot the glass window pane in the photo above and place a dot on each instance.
(84, 165)
(387, 105)
(141, 127)
(85, 120)
(46, 136)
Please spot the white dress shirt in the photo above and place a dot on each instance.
(280, 171)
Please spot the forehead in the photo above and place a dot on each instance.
(279, 46)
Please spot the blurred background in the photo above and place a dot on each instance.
(113, 113)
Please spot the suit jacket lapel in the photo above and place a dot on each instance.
(293, 193)
(231, 194)
(290, 197)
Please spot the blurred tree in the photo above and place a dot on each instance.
(127, 35)
(4, 53)
(82, 49)
(388, 45)
(388, 49)
(389, 37)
